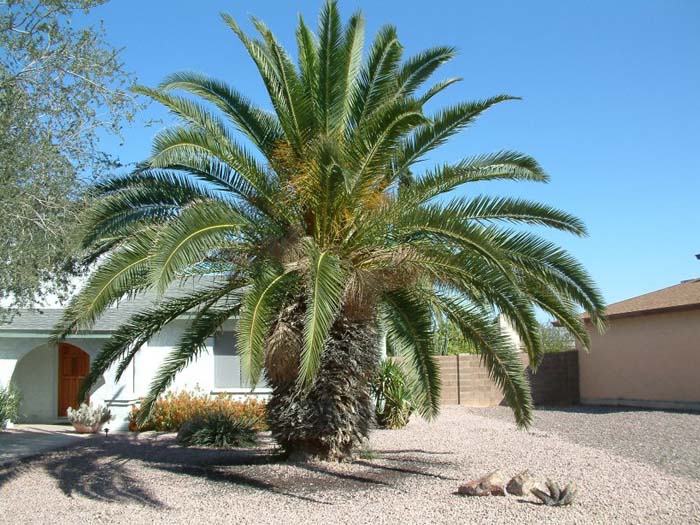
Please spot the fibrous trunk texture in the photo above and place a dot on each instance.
(335, 415)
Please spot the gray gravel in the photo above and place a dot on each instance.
(412, 479)
(668, 440)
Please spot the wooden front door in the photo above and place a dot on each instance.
(73, 366)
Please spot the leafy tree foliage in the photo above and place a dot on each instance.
(556, 339)
(61, 87)
(319, 227)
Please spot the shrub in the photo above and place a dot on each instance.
(174, 409)
(89, 416)
(219, 429)
(394, 404)
(9, 403)
(449, 339)
(556, 339)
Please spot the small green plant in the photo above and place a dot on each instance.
(394, 403)
(89, 416)
(367, 453)
(9, 403)
(219, 429)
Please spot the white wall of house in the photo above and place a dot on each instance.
(32, 365)
(35, 373)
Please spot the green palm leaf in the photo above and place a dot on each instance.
(259, 305)
(410, 330)
(192, 344)
(262, 128)
(501, 359)
(186, 240)
(441, 127)
(326, 284)
(128, 339)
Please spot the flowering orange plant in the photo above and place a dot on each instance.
(175, 408)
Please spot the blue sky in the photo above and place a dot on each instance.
(611, 104)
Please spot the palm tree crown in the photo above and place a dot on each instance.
(323, 203)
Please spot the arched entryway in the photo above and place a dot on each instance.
(73, 366)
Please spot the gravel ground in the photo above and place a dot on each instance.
(668, 440)
(412, 479)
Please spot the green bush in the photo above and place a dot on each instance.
(219, 429)
(556, 339)
(9, 403)
(394, 403)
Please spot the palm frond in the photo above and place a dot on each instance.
(145, 198)
(441, 127)
(141, 327)
(262, 128)
(503, 209)
(504, 165)
(504, 366)
(307, 45)
(330, 102)
(377, 76)
(417, 69)
(438, 88)
(190, 147)
(326, 285)
(202, 227)
(299, 107)
(409, 325)
(554, 268)
(272, 80)
(261, 301)
(122, 272)
(353, 46)
(192, 345)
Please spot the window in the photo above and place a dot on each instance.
(227, 363)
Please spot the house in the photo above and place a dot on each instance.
(49, 376)
(650, 354)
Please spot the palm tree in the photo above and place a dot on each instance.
(326, 234)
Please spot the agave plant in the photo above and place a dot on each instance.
(319, 229)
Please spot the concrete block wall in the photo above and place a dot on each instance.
(465, 381)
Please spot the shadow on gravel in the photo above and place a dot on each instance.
(606, 409)
(116, 469)
(414, 451)
(402, 470)
(12, 470)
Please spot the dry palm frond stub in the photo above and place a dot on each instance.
(556, 497)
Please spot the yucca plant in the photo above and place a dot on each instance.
(219, 429)
(319, 228)
(393, 404)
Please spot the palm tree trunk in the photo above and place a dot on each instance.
(335, 415)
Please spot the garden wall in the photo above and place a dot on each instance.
(465, 381)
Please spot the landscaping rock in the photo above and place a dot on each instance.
(492, 484)
(521, 484)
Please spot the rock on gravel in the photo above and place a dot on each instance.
(521, 484)
(490, 485)
(151, 480)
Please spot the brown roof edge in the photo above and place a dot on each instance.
(640, 313)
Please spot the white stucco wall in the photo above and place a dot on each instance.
(36, 376)
(199, 373)
(29, 362)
